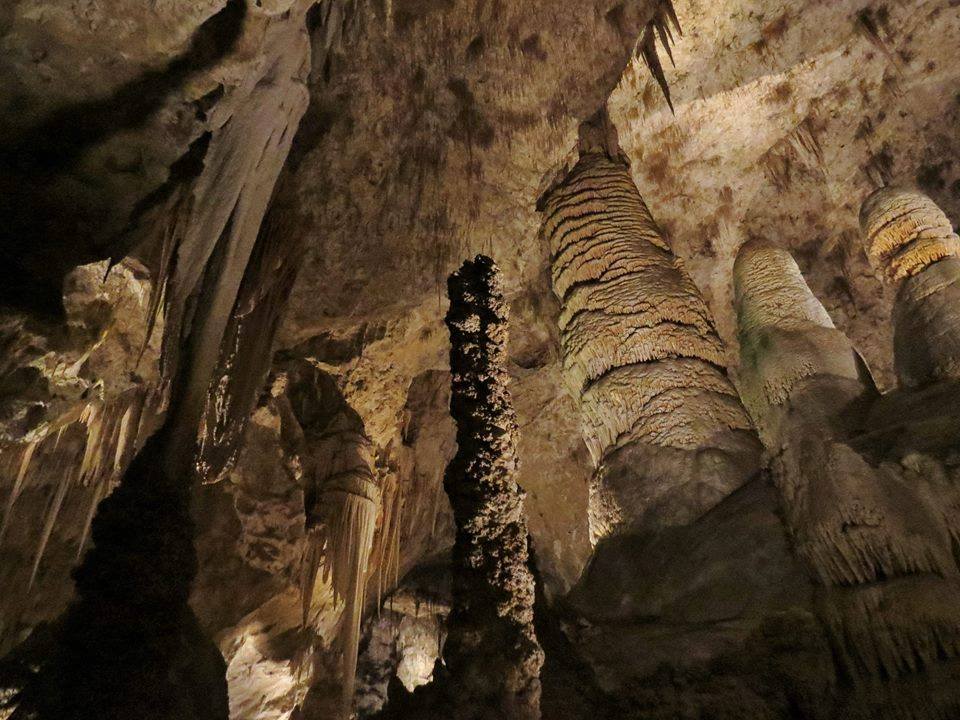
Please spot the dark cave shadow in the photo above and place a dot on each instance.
(45, 229)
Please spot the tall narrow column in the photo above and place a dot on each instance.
(491, 650)
(911, 241)
(663, 423)
(879, 551)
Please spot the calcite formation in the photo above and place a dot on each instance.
(874, 542)
(662, 421)
(910, 240)
(491, 652)
(343, 500)
(129, 645)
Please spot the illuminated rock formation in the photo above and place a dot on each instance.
(663, 423)
(912, 243)
(491, 651)
(343, 502)
(872, 540)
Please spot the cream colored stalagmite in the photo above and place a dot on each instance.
(912, 243)
(662, 421)
(879, 551)
(342, 508)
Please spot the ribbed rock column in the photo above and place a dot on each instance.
(491, 651)
(911, 241)
(875, 545)
(662, 421)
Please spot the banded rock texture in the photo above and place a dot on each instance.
(872, 541)
(662, 421)
(491, 652)
(910, 240)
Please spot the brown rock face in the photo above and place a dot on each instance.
(491, 651)
(873, 539)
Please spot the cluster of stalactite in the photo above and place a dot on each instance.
(662, 421)
(492, 654)
(129, 645)
(96, 442)
(911, 242)
(875, 543)
(343, 500)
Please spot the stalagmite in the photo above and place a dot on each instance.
(662, 421)
(492, 653)
(912, 243)
(878, 549)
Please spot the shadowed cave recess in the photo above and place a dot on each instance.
(479, 359)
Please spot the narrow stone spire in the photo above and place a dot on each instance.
(662, 421)
(491, 652)
(912, 243)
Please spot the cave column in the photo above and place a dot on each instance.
(910, 240)
(877, 550)
(491, 651)
(664, 425)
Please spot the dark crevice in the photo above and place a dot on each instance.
(46, 231)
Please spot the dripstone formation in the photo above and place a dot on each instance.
(663, 423)
(491, 652)
(711, 470)
(912, 243)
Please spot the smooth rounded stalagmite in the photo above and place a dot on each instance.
(787, 340)
(661, 419)
(910, 240)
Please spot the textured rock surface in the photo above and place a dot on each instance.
(491, 654)
(641, 354)
(432, 128)
(912, 243)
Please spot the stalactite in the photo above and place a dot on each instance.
(910, 240)
(103, 439)
(662, 421)
(874, 543)
(129, 644)
(659, 26)
(491, 652)
(343, 499)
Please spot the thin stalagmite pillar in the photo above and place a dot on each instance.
(873, 543)
(491, 651)
(662, 421)
(912, 243)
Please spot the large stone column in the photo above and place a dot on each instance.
(912, 243)
(491, 651)
(874, 543)
(663, 423)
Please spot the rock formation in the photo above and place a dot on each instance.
(234, 219)
(663, 423)
(491, 652)
(873, 541)
(912, 243)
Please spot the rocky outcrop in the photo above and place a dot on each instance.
(663, 423)
(911, 242)
(491, 653)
